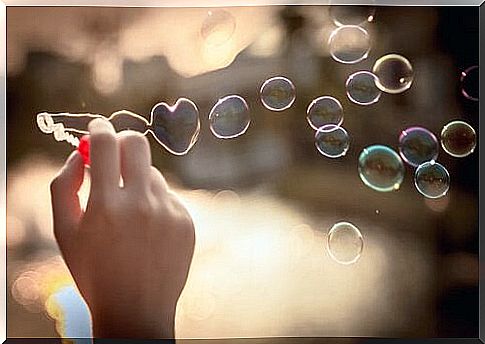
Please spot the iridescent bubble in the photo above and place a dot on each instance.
(458, 139)
(418, 145)
(229, 117)
(278, 93)
(345, 243)
(349, 44)
(470, 83)
(352, 15)
(432, 179)
(218, 27)
(332, 141)
(323, 111)
(394, 73)
(361, 88)
(381, 168)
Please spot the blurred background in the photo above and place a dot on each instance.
(262, 203)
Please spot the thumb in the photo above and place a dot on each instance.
(65, 201)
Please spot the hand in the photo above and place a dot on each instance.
(130, 251)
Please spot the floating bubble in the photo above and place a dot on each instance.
(394, 73)
(324, 111)
(381, 168)
(345, 243)
(218, 27)
(470, 83)
(352, 15)
(349, 44)
(229, 117)
(361, 88)
(278, 93)
(418, 145)
(458, 139)
(332, 141)
(432, 179)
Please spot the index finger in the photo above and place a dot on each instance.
(105, 157)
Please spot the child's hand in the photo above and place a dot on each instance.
(131, 250)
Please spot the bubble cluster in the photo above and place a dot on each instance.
(332, 141)
(470, 80)
(345, 243)
(381, 168)
(229, 117)
(352, 15)
(278, 93)
(324, 111)
(394, 73)
(218, 27)
(458, 139)
(432, 179)
(361, 88)
(418, 145)
(349, 44)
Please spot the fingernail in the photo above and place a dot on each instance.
(100, 124)
(72, 157)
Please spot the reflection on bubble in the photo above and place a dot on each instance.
(432, 179)
(345, 243)
(394, 73)
(324, 111)
(381, 168)
(278, 93)
(332, 141)
(176, 127)
(352, 15)
(229, 117)
(218, 27)
(361, 88)
(349, 44)
(418, 145)
(470, 83)
(458, 139)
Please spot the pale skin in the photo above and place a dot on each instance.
(130, 251)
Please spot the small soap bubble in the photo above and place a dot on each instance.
(458, 139)
(361, 88)
(278, 93)
(229, 117)
(345, 243)
(394, 73)
(418, 145)
(470, 83)
(218, 27)
(352, 15)
(432, 179)
(381, 168)
(332, 141)
(349, 44)
(324, 111)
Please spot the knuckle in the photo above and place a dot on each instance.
(56, 183)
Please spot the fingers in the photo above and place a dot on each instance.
(159, 185)
(65, 201)
(135, 161)
(105, 158)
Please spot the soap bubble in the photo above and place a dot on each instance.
(345, 243)
(361, 88)
(352, 15)
(229, 117)
(432, 179)
(470, 83)
(278, 93)
(323, 111)
(418, 145)
(381, 168)
(458, 139)
(332, 141)
(218, 27)
(349, 44)
(394, 73)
